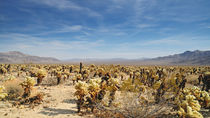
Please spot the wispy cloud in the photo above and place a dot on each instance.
(146, 25)
(111, 28)
(65, 49)
(59, 4)
(66, 4)
(67, 28)
(166, 41)
(47, 46)
(63, 29)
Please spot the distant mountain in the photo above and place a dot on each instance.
(18, 57)
(187, 58)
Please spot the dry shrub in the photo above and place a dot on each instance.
(102, 112)
(143, 106)
(192, 79)
(13, 89)
(133, 105)
(50, 81)
(32, 101)
(37, 99)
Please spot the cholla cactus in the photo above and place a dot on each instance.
(3, 95)
(81, 89)
(85, 76)
(76, 70)
(40, 75)
(128, 85)
(88, 94)
(65, 77)
(94, 88)
(59, 76)
(28, 85)
(137, 75)
(189, 108)
(206, 81)
(112, 88)
(77, 78)
(202, 96)
(190, 102)
(100, 72)
(81, 92)
(29, 81)
(3, 70)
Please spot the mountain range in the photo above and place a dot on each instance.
(18, 57)
(187, 58)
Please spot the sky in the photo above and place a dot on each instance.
(131, 29)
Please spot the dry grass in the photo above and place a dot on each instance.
(51, 81)
(192, 79)
(13, 89)
(133, 106)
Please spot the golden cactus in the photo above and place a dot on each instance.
(3, 94)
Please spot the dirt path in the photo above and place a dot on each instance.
(58, 102)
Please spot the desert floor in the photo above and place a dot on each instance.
(59, 102)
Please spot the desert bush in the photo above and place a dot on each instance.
(192, 79)
(13, 89)
(50, 81)
(132, 106)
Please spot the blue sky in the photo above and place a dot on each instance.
(104, 28)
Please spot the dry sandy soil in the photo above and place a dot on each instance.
(59, 102)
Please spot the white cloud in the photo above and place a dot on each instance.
(145, 25)
(73, 28)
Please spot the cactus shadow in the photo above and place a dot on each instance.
(57, 111)
(69, 101)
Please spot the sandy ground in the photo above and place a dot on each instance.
(59, 102)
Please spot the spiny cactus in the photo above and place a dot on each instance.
(41, 73)
(3, 94)
(28, 85)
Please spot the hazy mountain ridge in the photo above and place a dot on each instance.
(18, 57)
(187, 58)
